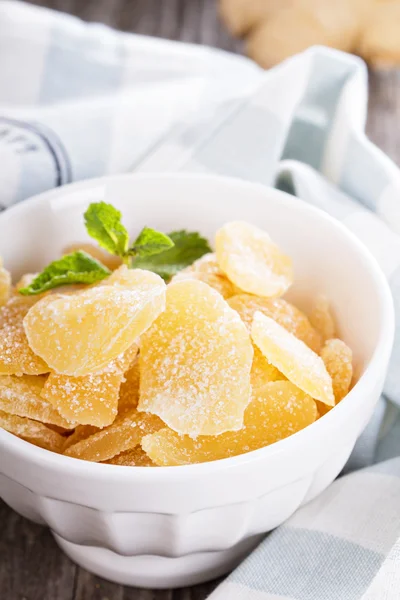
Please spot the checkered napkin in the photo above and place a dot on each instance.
(79, 100)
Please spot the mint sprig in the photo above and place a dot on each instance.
(150, 242)
(77, 267)
(103, 224)
(188, 247)
(152, 250)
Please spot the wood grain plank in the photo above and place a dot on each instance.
(197, 592)
(384, 111)
(90, 587)
(31, 565)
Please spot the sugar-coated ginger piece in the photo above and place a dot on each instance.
(124, 434)
(5, 284)
(21, 396)
(32, 431)
(338, 359)
(322, 319)
(251, 260)
(206, 269)
(16, 357)
(205, 264)
(195, 362)
(283, 312)
(81, 432)
(64, 431)
(131, 458)
(276, 411)
(293, 358)
(220, 283)
(262, 372)
(129, 391)
(89, 399)
(80, 334)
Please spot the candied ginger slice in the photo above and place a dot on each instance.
(21, 396)
(131, 458)
(205, 264)
(65, 432)
(124, 434)
(129, 391)
(89, 399)
(195, 362)
(80, 334)
(281, 311)
(322, 319)
(5, 284)
(262, 372)
(16, 357)
(338, 359)
(220, 283)
(80, 433)
(32, 431)
(206, 269)
(108, 260)
(131, 279)
(251, 260)
(293, 358)
(276, 411)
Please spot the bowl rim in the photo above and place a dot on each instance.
(41, 457)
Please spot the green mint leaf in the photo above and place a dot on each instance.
(103, 223)
(77, 267)
(150, 242)
(188, 247)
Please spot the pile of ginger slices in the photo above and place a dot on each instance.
(136, 372)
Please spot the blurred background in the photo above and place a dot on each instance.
(270, 30)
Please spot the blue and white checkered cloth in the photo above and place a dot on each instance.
(79, 100)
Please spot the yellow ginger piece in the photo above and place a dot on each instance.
(284, 313)
(16, 357)
(129, 391)
(206, 269)
(195, 362)
(131, 458)
(21, 396)
(276, 411)
(80, 334)
(5, 284)
(32, 431)
(251, 260)
(80, 433)
(322, 319)
(293, 358)
(124, 434)
(338, 359)
(262, 372)
(89, 399)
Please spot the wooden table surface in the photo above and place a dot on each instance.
(31, 565)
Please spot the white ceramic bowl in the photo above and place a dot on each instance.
(174, 526)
